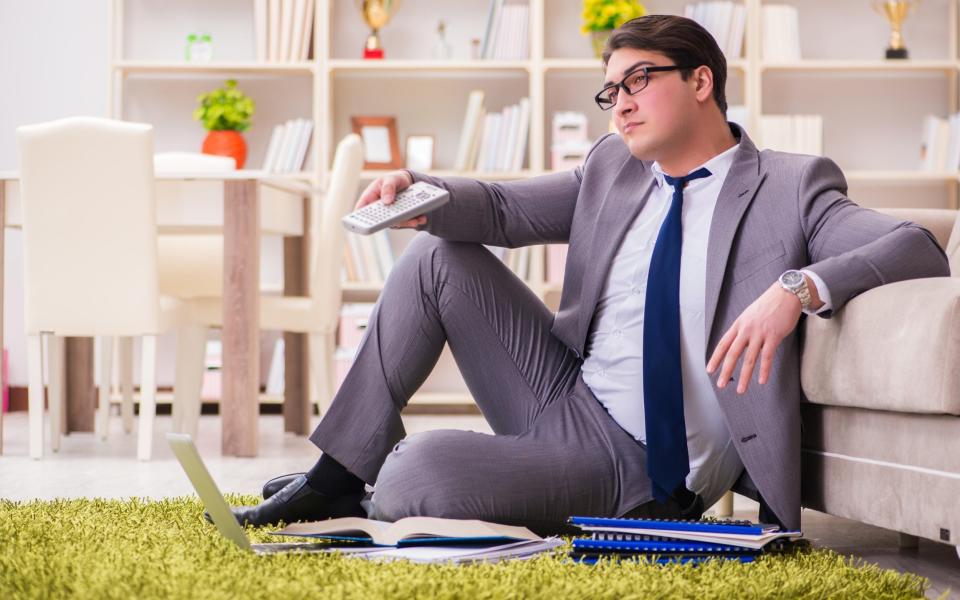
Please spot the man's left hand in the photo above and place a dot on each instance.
(756, 333)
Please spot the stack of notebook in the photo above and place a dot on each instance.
(663, 540)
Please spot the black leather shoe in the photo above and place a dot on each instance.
(278, 483)
(297, 501)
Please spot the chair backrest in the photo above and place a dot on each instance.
(327, 233)
(89, 227)
(943, 223)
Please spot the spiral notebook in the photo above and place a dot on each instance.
(740, 534)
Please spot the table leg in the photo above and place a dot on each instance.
(239, 406)
(296, 372)
(81, 393)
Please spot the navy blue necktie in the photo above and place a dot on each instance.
(667, 460)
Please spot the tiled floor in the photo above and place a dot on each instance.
(85, 466)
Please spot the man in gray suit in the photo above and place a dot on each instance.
(692, 258)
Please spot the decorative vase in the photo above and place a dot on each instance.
(599, 39)
(226, 143)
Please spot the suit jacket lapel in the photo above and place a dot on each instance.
(621, 205)
(738, 191)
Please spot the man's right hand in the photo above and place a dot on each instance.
(385, 189)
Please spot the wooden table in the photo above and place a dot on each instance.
(242, 220)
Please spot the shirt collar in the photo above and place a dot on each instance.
(718, 166)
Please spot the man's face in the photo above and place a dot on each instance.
(655, 119)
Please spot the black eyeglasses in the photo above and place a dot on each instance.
(633, 83)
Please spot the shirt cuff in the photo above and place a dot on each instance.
(822, 291)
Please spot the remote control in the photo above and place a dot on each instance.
(410, 202)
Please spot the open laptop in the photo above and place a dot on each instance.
(219, 510)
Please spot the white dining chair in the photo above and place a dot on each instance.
(90, 253)
(317, 314)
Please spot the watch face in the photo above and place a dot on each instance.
(791, 278)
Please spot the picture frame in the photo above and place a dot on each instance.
(381, 147)
(419, 152)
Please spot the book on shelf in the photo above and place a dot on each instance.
(940, 150)
(780, 25)
(288, 146)
(370, 257)
(800, 134)
(506, 35)
(468, 134)
(275, 374)
(726, 22)
(556, 263)
(283, 29)
(495, 141)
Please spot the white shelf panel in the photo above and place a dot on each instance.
(892, 66)
(360, 65)
(175, 68)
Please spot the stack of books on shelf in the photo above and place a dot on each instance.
(516, 259)
(941, 144)
(425, 539)
(801, 134)
(726, 21)
(493, 142)
(556, 263)
(283, 29)
(287, 150)
(367, 258)
(506, 36)
(664, 540)
(780, 24)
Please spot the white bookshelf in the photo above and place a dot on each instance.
(842, 76)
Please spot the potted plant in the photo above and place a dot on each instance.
(601, 17)
(225, 112)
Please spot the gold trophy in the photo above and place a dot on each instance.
(376, 13)
(896, 12)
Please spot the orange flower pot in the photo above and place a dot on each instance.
(226, 143)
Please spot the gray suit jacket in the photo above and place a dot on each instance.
(776, 211)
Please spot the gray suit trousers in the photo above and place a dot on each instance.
(555, 451)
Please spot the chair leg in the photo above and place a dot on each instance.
(126, 382)
(321, 349)
(191, 348)
(56, 386)
(106, 370)
(148, 396)
(35, 401)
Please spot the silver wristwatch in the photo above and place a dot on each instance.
(795, 282)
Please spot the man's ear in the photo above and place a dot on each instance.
(703, 77)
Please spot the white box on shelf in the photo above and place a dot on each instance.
(354, 318)
(569, 126)
(568, 155)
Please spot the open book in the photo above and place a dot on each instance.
(409, 531)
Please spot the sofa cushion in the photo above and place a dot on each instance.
(895, 347)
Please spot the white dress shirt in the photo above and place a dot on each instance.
(613, 363)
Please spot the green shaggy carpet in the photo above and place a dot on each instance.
(164, 549)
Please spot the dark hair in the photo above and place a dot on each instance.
(682, 40)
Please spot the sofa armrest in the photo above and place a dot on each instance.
(895, 347)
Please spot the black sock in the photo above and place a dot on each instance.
(333, 479)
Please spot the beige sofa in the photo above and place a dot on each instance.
(881, 427)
